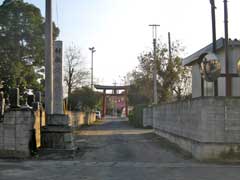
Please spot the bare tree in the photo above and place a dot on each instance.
(75, 73)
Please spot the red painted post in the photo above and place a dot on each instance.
(126, 102)
(104, 103)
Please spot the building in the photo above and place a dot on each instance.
(201, 87)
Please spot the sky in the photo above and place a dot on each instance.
(119, 30)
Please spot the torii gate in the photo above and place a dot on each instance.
(114, 89)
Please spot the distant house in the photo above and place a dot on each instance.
(201, 87)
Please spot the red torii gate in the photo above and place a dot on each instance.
(114, 88)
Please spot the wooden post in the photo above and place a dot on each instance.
(228, 77)
(213, 7)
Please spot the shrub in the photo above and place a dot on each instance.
(136, 115)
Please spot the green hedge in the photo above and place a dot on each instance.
(136, 115)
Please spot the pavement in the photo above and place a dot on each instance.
(114, 150)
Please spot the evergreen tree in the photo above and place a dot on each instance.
(22, 45)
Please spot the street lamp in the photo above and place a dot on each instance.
(154, 30)
(93, 50)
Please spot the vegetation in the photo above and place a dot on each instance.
(173, 79)
(136, 115)
(84, 99)
(75, 74)
(22, 45)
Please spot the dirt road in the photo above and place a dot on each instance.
(113, 150)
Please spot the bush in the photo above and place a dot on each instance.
(83, 99)
(136, 115)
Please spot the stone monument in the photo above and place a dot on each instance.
(14, 98)
(58, 78)
(57, 134)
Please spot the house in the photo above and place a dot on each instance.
(201, 87)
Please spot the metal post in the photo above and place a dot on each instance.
(155, 96)
(92, 49)
(213, 7)
(228, 78)
(49, 59)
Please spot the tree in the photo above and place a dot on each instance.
(84, 99)
(75, 74)
(21, 44)
(173, 80)
(140, 89)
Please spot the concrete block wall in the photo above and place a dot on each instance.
(200, 125)
(147, 117)
(15, 133)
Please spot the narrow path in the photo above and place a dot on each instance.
(113, 150)
(115, 140)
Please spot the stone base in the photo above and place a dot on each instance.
(201, 150)
(57, 120)
(57, 134)
(57, 137)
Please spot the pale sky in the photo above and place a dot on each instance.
(119, 30)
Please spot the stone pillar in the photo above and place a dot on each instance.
(31, 100)
(14, 98)
(58, 78)
(57, 134)
(49, 59)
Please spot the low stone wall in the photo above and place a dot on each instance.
(78, 119)
(207, 127)
(16, 133)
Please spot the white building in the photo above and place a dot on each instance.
(201, 87)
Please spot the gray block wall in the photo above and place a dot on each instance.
(147, 117)
(208, 120)
(15, 133)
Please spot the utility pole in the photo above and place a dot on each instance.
(169, 46)
(93, 50)
(213, 7)
(49, 59)
(154, 33)
(228, 78)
